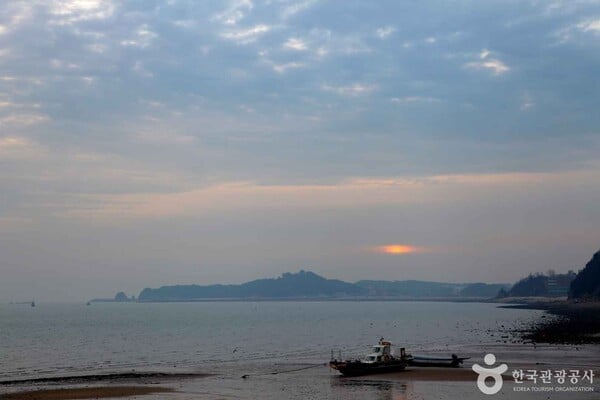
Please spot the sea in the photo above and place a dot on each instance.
(264, 349)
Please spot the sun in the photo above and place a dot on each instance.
(397, 249)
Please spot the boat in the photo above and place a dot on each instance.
(426, 361)
(380, 360)
(33, 304)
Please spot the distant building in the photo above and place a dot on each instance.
(558, 285)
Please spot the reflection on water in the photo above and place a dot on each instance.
(372, 388)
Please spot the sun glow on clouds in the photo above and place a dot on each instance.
(227, 197)
(397, 249)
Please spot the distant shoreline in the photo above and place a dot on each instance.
(310, 299)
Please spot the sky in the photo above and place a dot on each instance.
(146, 143)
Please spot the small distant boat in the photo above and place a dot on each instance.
(380, 360)
(33, 304)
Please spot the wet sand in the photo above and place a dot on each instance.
(137, 377)
(438, 374)
(114, 391)
(86, 393)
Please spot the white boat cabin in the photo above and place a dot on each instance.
(381, 353)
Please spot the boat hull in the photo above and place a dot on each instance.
(419, 361)
(358, 368)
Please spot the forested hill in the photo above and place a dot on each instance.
(302, 284)
(306, 284)
(587, 282)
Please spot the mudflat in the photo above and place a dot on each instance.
(85, 393)
(437, 374)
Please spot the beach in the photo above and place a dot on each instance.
(414, 383)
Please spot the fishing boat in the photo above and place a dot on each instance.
(380, 360)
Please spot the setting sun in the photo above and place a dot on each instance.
(397, 249)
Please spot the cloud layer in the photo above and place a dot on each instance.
(115, 114)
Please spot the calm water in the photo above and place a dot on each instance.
(229, 337)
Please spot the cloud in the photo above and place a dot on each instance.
(355, 89)
(139, 68)
(12, 142)
(494, 65)
(353, 193)
(15, 14)
(68, 12)
(385, 32)
(414, 99)
(237, 195)
(19, 148)
(245, 36)
(143, 37)
(295, 44)
(296, 7)
(235, 12)
(328, 42)
(526, 102)
(163, 138)
(282, 68)
(579, 30)
(16, 120)
(592, 25)
(115, 110)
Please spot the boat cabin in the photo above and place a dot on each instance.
(381, 353)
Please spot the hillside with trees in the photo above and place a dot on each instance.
(541, 285)
(587, 282)
(308, 285)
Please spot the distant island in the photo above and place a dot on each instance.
(308, 285)
(120, 297)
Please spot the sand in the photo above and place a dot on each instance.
(412, 374)
(438, 374)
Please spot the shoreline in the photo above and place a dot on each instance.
(570, 323)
